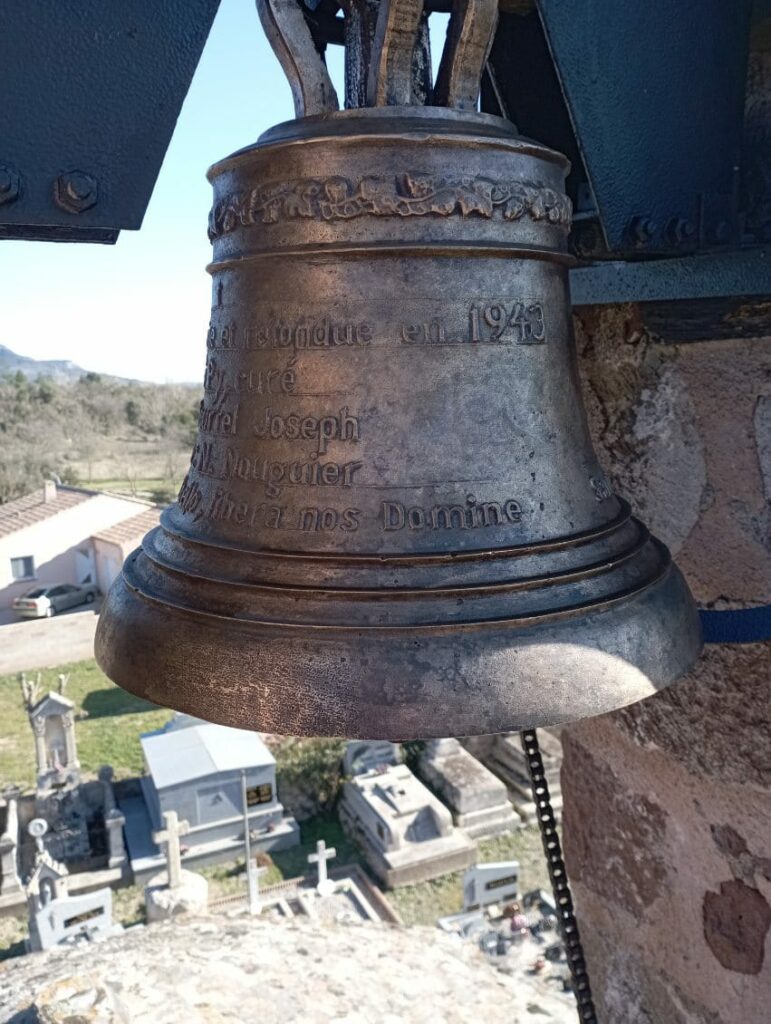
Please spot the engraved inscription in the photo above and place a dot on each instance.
(298, 335)
(504, 323)
(497, 321)
(282, 381)
(406, 195)
(295, 427)
(272, 473)
(216, 419)
(227, 507)
(473, 515)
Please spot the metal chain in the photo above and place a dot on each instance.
(559, 880)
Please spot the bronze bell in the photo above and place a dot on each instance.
(394, 524)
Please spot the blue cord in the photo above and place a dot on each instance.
(738, 626)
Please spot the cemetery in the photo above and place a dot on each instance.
(88, 848)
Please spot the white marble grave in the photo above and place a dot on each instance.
(195, 769)
(405, 833)
(53, 723)
(478, 800)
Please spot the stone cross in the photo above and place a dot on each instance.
(324, 886)
(170, 836)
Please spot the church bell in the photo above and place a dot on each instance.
(394, 524)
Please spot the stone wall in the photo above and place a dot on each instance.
(243, 970)
(667, 804)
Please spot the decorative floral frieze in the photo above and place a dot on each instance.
(408, 195)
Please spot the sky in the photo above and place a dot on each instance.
(140, 308)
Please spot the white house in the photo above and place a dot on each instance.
(67, 535)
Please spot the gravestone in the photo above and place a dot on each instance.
(324, 886)
(114, 820)
(55, 917)
(195, 769)
(362, 756)
(174, 891)
(477, 799)
(486, 884)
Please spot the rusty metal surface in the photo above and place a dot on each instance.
(394, 523)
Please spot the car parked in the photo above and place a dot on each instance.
(45, 601)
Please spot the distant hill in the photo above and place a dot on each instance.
(61, 370)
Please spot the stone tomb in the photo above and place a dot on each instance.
(478, 800)
(504, 756)
(194, 769)
(405, 833)
(55, 917)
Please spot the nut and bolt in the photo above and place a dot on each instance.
(10, 183)
(75, 191)
(641, 230)
(680, 231)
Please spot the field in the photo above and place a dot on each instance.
(109, 723)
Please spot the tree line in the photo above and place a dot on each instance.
(93, 428)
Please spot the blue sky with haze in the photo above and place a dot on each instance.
(140, 308)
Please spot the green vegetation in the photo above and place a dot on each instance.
(310, 768)
(108, 727)
(95, 431)
(425, 902)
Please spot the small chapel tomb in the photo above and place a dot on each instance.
(405, 833)
(477, 799)
(53, 724)
(195, 769)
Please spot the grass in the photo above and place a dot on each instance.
(108, 732)
(423, 903)
(147, 485)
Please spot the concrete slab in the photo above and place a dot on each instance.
(46, 643)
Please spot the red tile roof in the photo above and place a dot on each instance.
(32, 508)
(131, 530)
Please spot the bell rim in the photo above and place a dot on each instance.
(218, 676)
